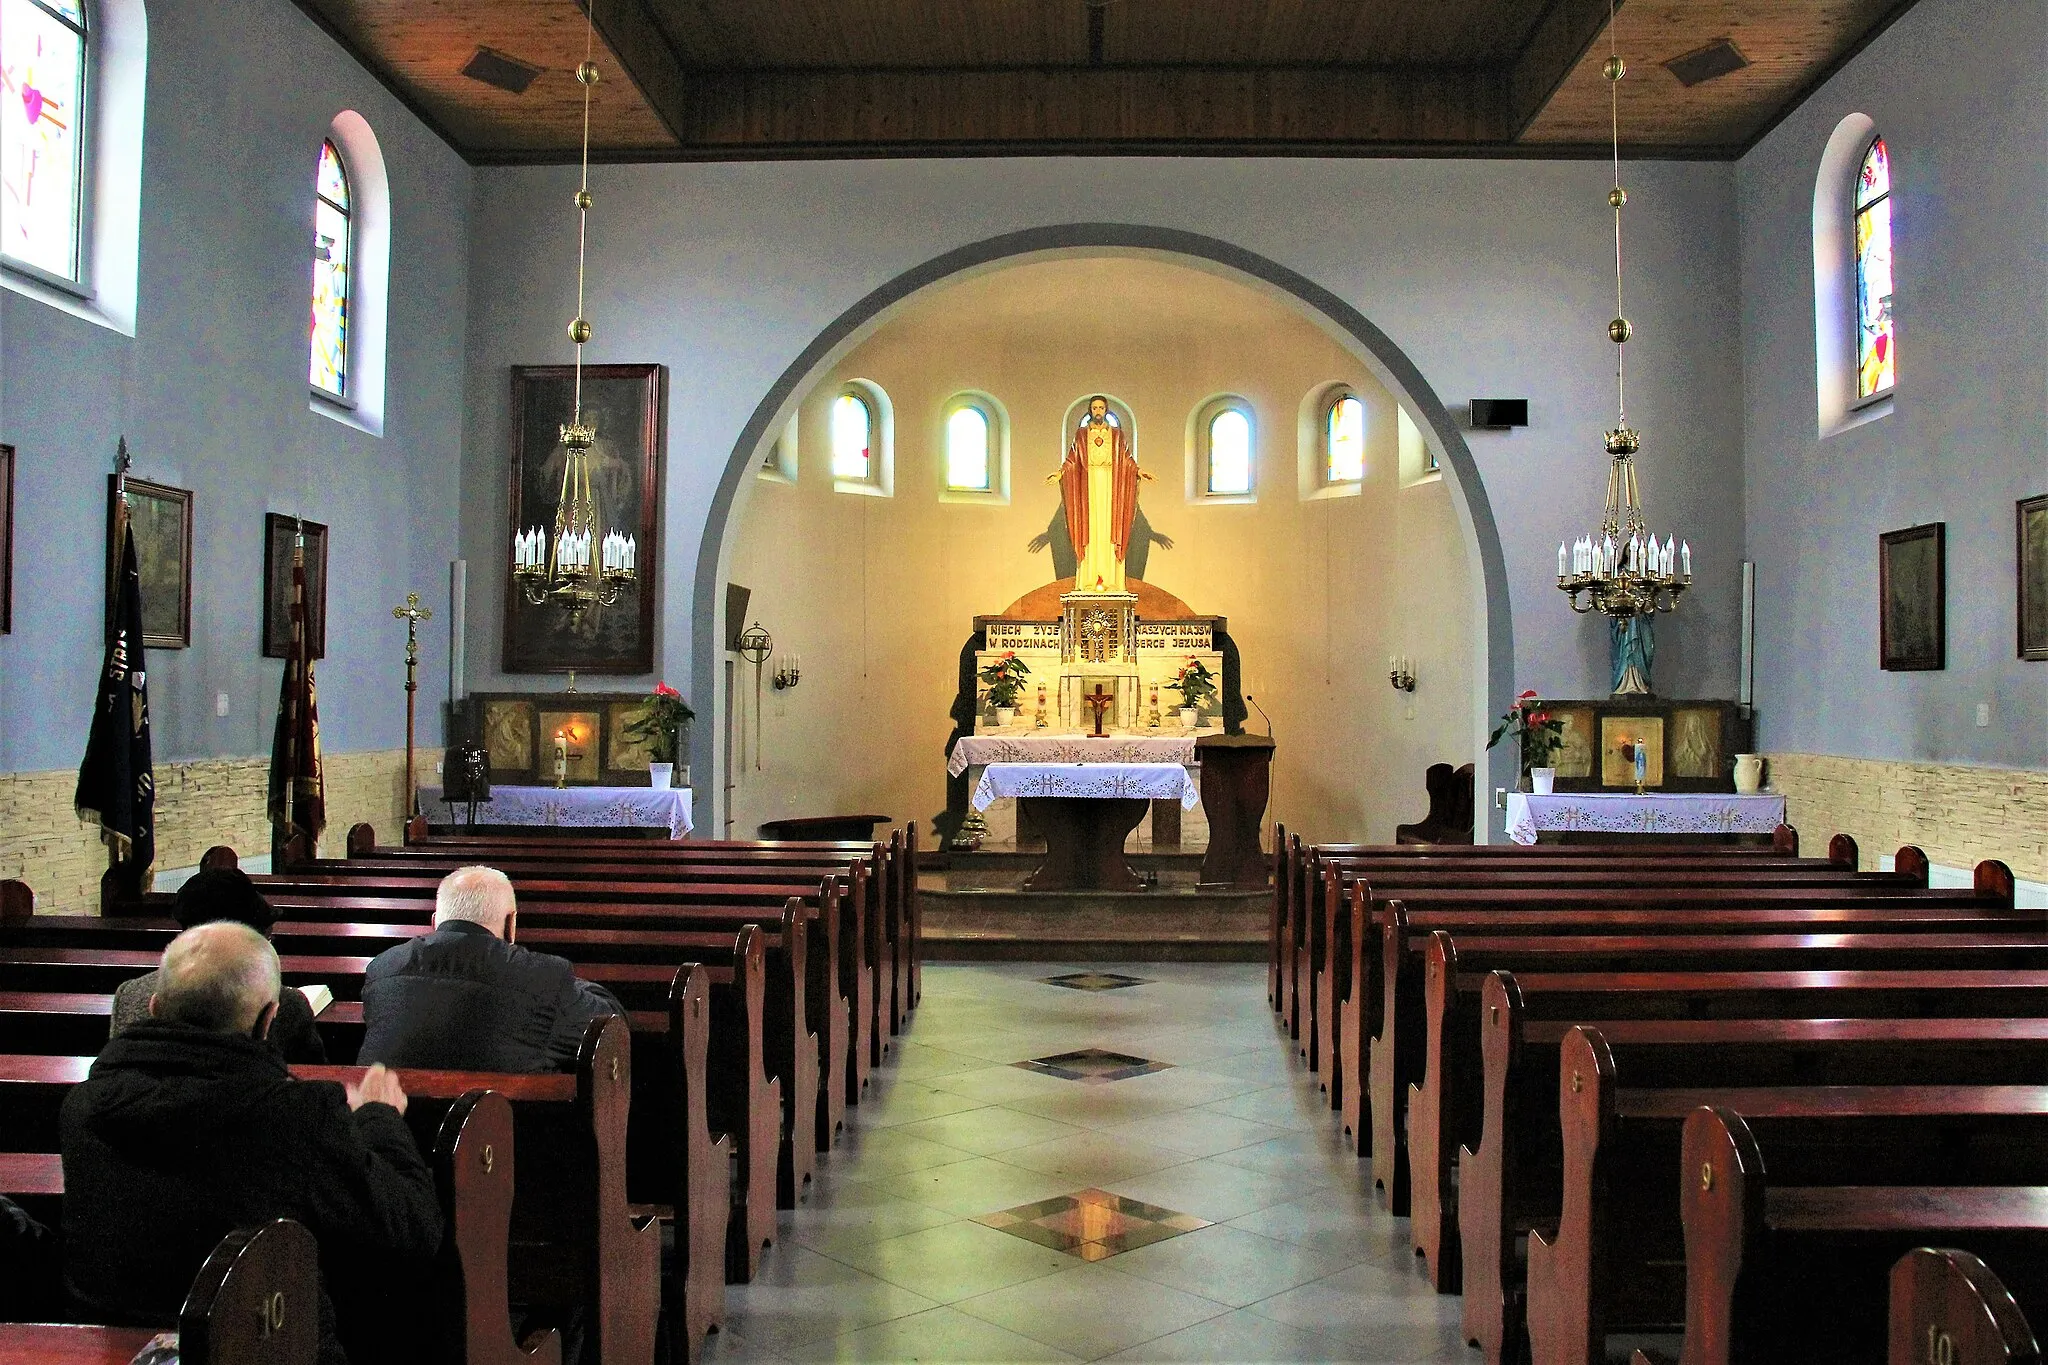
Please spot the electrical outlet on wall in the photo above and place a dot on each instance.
(1983, 715)
(220, 703)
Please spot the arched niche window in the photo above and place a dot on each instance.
(45, 51)
(333, 236)
(976, 440)
(858, 427)
(1226, 449)
(72, 77)
(1876, 337)
(351, 269)
(1342, 447)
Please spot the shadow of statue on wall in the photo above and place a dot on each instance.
(1066, 562)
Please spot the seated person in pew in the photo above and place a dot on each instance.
(226, 893)
(190, 1126)
(466, 997)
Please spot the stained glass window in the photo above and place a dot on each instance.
(853, 429)
(967, 449)
(331, 277)
(42, 107)
(1344, 440)
(1877, 358)
(1230, 452)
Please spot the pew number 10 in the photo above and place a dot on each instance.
(1941, 1347)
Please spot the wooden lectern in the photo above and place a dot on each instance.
(1237, 776)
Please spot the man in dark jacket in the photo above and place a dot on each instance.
(189, 1126)
(216, 894)
(466, 997)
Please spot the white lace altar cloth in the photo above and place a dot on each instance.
(1651, 813)
(975, 750)
(1102, 781)
(575, 807)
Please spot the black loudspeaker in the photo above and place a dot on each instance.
(736, 599)
(1499, 414)
(466, 774)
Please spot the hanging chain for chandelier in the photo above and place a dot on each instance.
(568, 572)
(1622, 570)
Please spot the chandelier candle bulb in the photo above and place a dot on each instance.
(1560, 559)
(1685, 559)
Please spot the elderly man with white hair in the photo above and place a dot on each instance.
(467, 997)
(189, 1126)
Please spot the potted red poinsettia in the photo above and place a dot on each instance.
(659, 727)
(1540, 735)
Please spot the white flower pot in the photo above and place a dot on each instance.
(1189, 717)
(1006, 716)
(1749, 773)
(659, 775)
(1542, 781)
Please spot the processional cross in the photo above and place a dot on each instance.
(1099, 702)
(412, 613)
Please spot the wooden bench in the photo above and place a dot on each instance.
(1614, 1261)
(255, 1299)
(1947, 1307)
(1778, 1270)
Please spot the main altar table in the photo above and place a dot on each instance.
(1086, 811)
(1656, 813)
(974, 751)
(666, 808)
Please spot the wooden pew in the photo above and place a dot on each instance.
(254, 1300)
(1948, 1308)
(1778, 1270)
(1383, 1020)
(1608, 1264)
(1444, 1107)
(1511, 1178)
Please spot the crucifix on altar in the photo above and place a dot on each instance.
(1098, 701)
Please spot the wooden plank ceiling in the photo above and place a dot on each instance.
(702, 79)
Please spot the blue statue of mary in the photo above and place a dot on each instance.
(1634, 648)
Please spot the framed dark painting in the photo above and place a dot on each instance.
(2032, 534)
(6, 540)
(278, 533)
(627, 405)
(162, 518)
(1912, 594)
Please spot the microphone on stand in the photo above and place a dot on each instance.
(1253, 702)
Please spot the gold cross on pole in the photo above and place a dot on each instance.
(412, 613)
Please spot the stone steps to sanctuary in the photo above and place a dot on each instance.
(1174, 923)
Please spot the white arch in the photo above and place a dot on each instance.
(370, 265)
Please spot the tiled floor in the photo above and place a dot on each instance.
(1279, 1252)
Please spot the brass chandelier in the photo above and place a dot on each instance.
(1621, 570)
(581, 568)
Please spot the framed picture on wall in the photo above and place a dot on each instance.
(6, 540)
(1912, 594)
(278, 533)
(162, 518)
(628, 407)
(2032, 533)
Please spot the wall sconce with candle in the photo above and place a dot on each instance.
(1401, 672)
(789, 672)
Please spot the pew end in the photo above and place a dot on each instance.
(416, 829)
(1564, 1322)
(1721, 1198)
(256, 1298)
(219, 858)
(1843, 852)
(473, 1169)
(1994, 878)
(626, 1251)
(362, 840)
(1911, 862)
(1785, 840)
(1947, 1306)
(17, 902)
(695, 1289)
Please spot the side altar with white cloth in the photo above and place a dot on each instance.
(665, 810)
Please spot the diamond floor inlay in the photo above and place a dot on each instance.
(1093, 1066)
(1095, 981)
(1093, 1224)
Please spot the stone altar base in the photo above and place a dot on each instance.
(975, 909)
